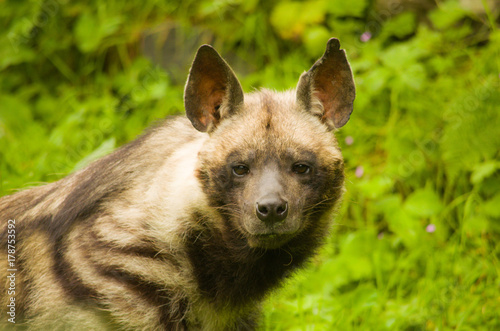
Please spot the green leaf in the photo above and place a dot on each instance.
(423, 203)
(414, 77)
(15, 113)
(375, 80)
(87, 32)
(377, 186)
(405, 226)
(315, 39)
(13, 50)
(447, 14)
(400, 26)
(475, 226)
(483, 170)
(400, 56)
(291, 18)
(105, 148)
(355, 8)
(492, 206)
(90, 30)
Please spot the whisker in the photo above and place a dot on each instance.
(324, 201)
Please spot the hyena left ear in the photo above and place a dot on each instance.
(327, 89)
(212, 90)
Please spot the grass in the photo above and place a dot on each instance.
(416, 243)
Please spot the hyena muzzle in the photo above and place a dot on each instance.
(193, 223)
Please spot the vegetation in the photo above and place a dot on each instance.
(416, 245)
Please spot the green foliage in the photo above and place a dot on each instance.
(416, 244)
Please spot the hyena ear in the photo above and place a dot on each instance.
(327, 90)
(212, 90)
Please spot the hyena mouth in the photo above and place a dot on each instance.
(269, 241)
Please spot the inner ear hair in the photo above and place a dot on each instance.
(212, 90)
(327, 90)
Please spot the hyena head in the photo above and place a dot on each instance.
(271, 166)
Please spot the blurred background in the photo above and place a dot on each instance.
(416, 245)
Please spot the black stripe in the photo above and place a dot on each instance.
(43, 197)
(144, 249)
(171, 308)
(103, 180)
(69, 280)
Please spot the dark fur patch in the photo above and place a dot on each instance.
(228, 271)
(171, 313)
(69, 280)
(143, 248)
(43, 197)
(83, 201)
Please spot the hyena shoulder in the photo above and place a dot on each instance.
(115, 204)
(134, 166)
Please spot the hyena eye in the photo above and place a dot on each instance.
(301, 169)
(240, 170)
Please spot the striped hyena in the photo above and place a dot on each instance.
(193, 223)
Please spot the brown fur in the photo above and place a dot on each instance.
(163, 234)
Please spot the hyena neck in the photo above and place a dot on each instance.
(231, 273)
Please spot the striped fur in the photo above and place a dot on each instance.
(161, 234)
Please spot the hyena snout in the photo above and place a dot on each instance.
(271, 209)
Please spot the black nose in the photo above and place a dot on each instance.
(271, 209)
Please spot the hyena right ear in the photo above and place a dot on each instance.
(327, 90)
(212, 90)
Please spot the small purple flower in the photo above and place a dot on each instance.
(380, 235)
(349, 140)
(359, 171)
(365, 36)
(430, 228)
